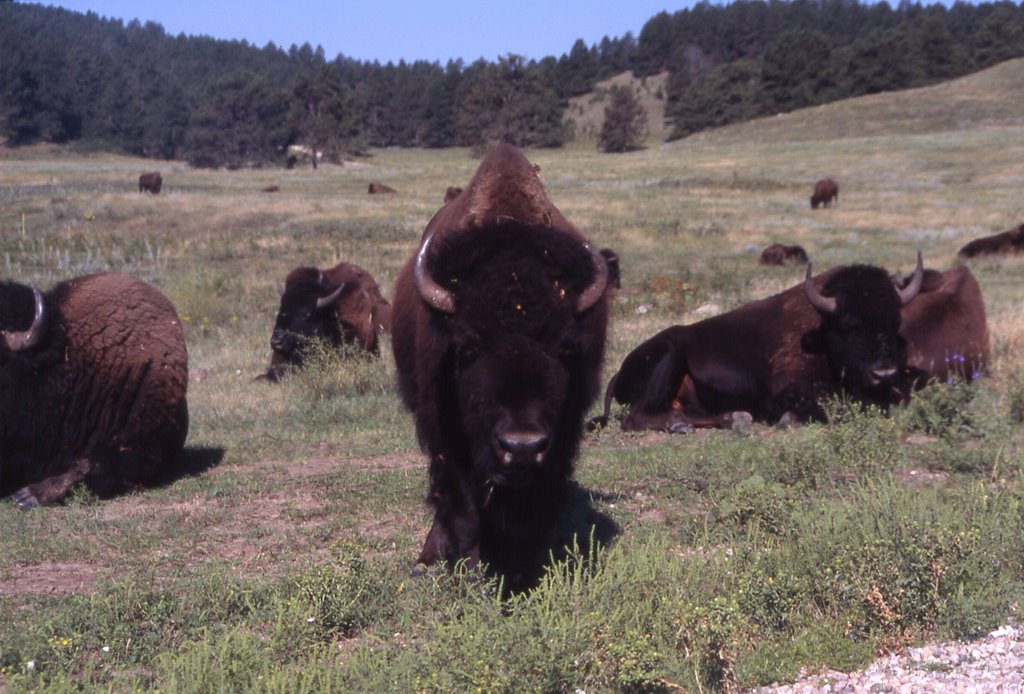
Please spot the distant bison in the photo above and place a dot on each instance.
(1006, 243)
(342, 305)
(778, 254)
(499, 330)
(452, 193)
(380, 188)
(773, 359)
(945, 329)
(93, 377)
(271, 189)
(151, 182)
(825, 191)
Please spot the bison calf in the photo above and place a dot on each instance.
(341, 305)
(499, 331)
(93, 375)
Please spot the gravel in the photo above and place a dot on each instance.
(994, 663)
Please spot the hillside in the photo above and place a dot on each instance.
(983, 99)
(587, 111)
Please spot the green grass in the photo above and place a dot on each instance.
(281, 562)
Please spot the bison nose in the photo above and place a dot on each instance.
(520, 448)
(278, 341)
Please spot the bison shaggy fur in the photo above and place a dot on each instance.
(499, 331)
(92, 387)
(341, 305)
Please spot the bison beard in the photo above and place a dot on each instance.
(96, 395)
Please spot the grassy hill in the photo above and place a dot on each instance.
(587, 111)
(281, 563)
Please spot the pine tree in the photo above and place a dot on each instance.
(625, 121)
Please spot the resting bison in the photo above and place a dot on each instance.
(825, 191)
(452, 193)
(271, 189)
(945, 329)
(341, 305)
(151, 182)
(93, 377)
(1006, 243)
(773, 358)
(778, 254)
(499, 331)
(378, 188)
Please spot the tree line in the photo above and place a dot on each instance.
(133, 88)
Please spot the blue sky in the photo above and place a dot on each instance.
(389, 30)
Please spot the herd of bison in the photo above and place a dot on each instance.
(498, 326)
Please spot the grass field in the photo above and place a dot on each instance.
(279, 561)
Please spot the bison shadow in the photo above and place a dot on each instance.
(193, 461)
(580, 530)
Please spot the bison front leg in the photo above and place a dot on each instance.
(54, 488)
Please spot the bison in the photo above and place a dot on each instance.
(342, 305)
(778, 254)
(825, 191)
(500, 319)
(1006, 243)
(773, 359)
(93, 378)
(611, 258)
(945, 329)
(151, 182)
(452, 193)
(380, 188)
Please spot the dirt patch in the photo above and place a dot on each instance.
(50, 578)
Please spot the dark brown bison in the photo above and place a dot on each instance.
(499, 330)
(342, 306)
(452, 193)
(380, 188)
(271, 189)
(1006, 243)
(151, 182)
(945, 329)
(93, 375)
(778, 254)
(773, 358)
(825, 191)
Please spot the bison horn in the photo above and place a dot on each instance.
(325, 301)
(280, 288)
(18, 341)
(590, 295)
(433, 293)
(825, 304)
(911, 290)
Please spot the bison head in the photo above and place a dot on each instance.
(860, 310)
(515, 302)
(307, 312)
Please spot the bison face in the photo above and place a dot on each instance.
(307, 312)
(860, 312)
(512, 392)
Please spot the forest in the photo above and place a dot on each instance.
(102, 84)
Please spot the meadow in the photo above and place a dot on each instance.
(279, 560)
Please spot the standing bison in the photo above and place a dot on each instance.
(151, 182)
(1006, 243)
(779, 254)
(342, 305)
(499, 331)
(93, 377)
(825, 191)
(775, 358)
